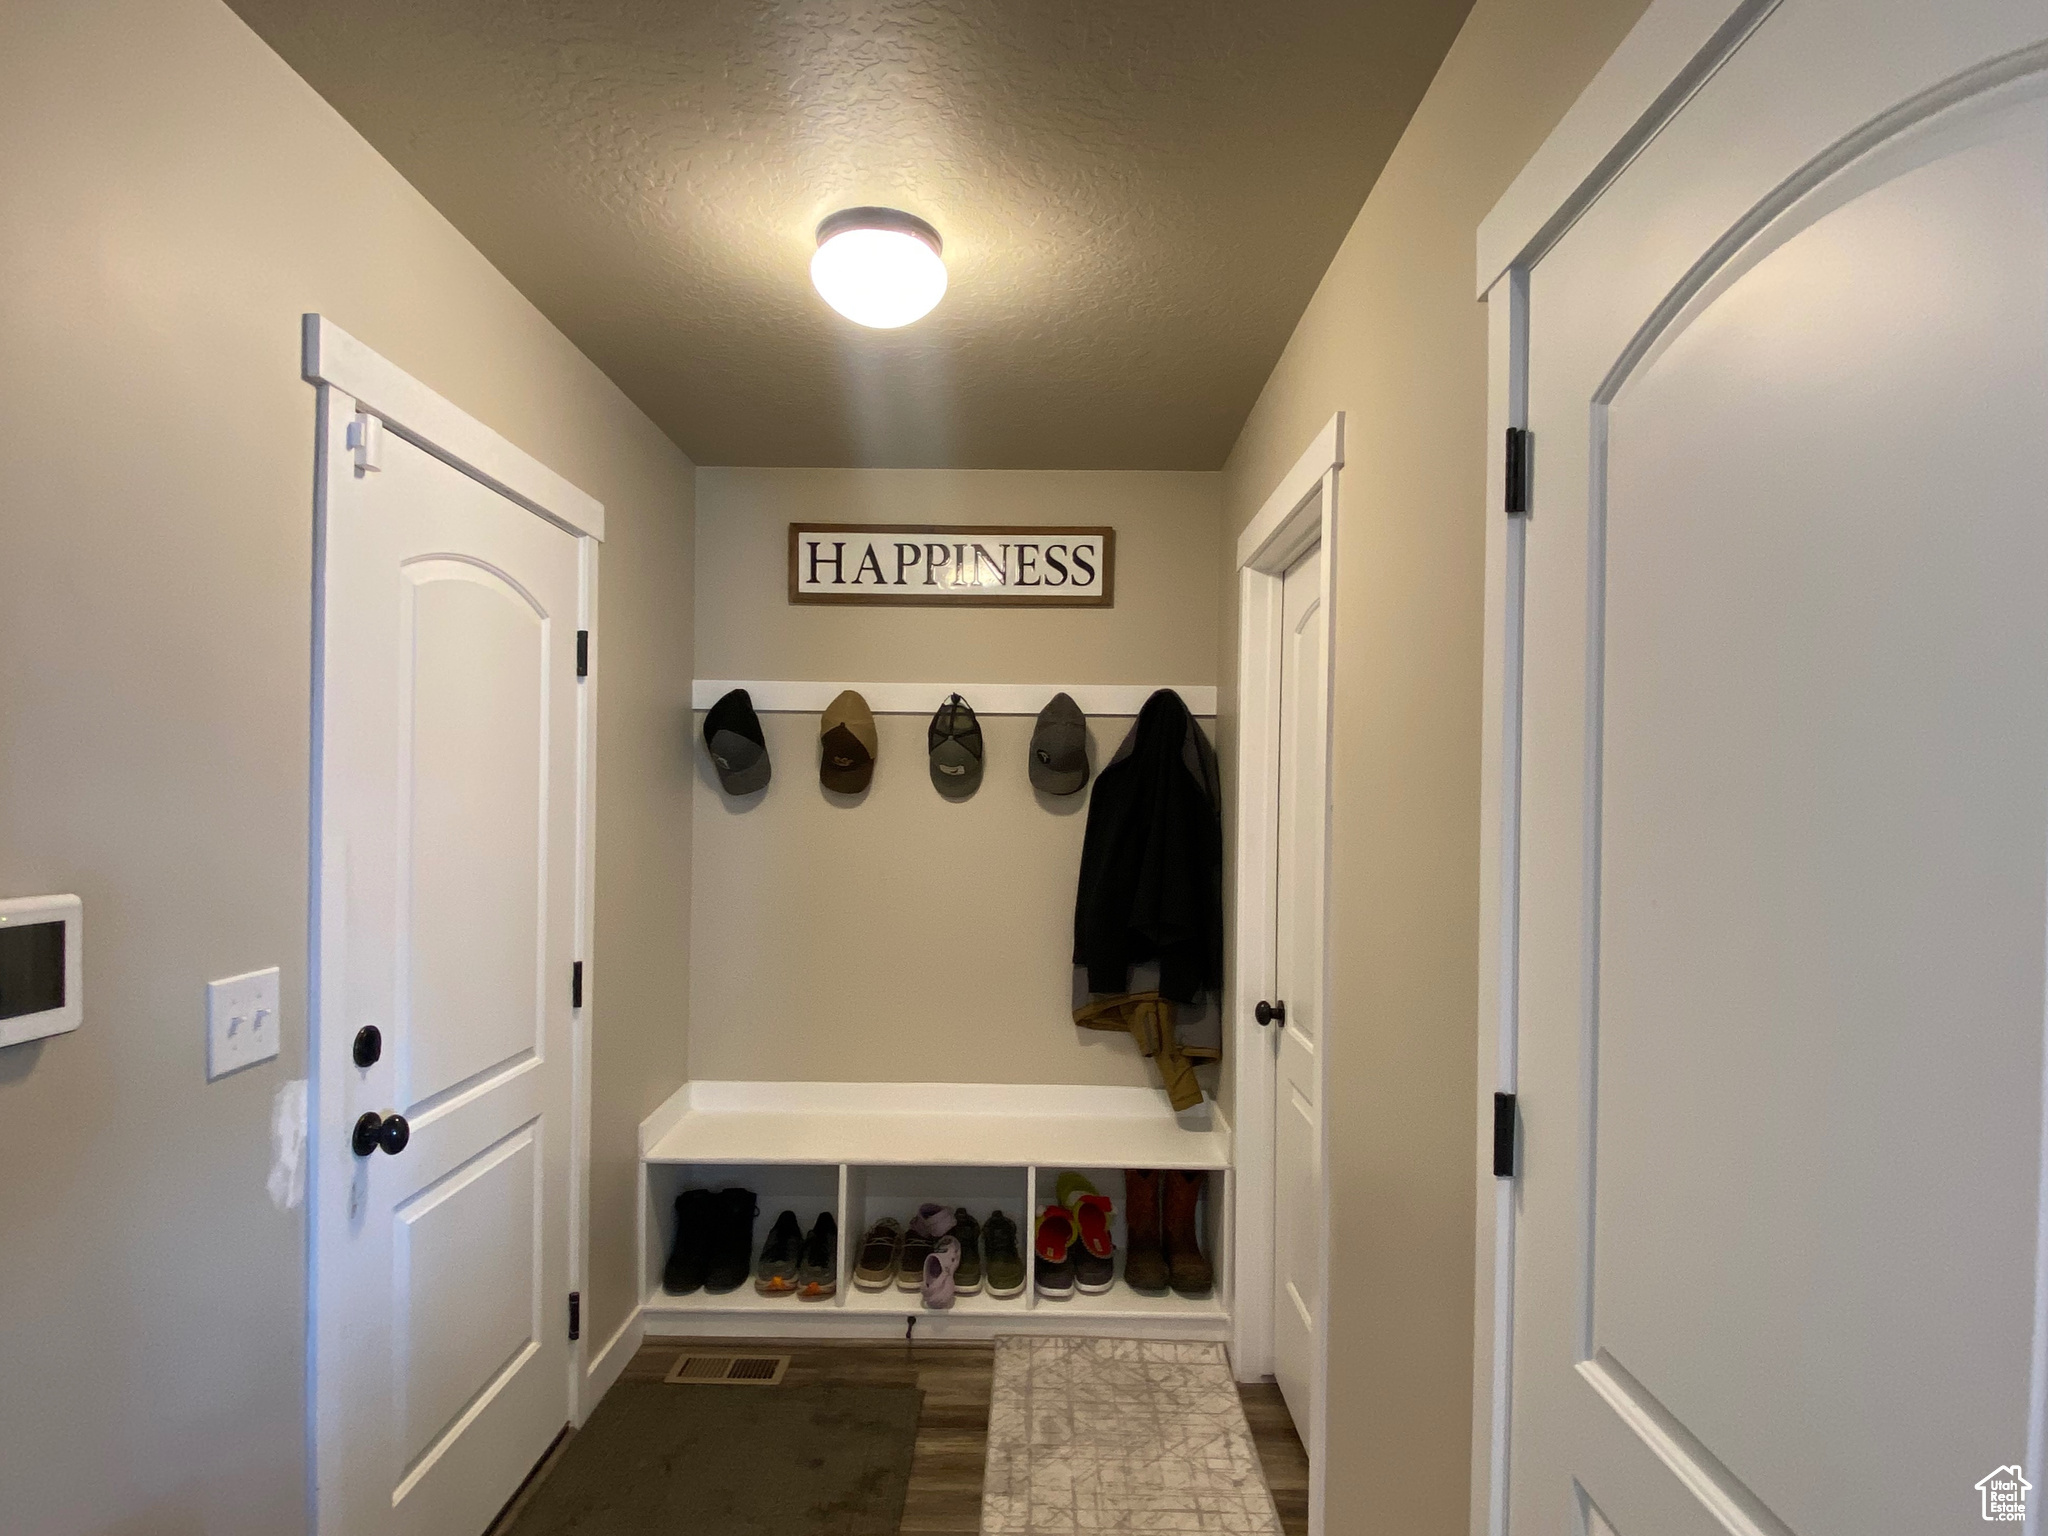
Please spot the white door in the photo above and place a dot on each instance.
(1785, 795)
(447, 818)
(1298, 980)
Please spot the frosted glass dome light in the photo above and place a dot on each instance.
(879, 267)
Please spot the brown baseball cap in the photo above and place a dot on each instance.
(847, 744)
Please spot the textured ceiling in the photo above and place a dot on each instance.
(1137, 199)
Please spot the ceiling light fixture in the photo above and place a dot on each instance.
(879, 267)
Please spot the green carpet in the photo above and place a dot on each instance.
(661, 1460)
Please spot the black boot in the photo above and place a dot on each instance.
(696, 1226)
(732, 1251)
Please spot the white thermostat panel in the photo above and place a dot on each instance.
(42, 967)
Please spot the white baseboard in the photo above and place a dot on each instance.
(608, 1362)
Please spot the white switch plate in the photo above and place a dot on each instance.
(241, 1022)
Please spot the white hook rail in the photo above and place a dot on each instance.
(922, 698)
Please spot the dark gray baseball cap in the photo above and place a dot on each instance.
(1059, 747)
(955, 743)
(732, 735)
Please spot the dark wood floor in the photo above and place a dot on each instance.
(1280, 1452)
(952, 1435)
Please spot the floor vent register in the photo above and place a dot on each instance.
(730, 1370)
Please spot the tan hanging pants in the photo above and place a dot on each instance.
(1148, 1018)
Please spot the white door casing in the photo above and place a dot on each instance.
(1298, 518)
(1777, 292)
(1296, 1034)
(1499, 928)
(451, 903)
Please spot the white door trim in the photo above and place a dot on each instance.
(1500, 841)
(592, 1369)
(1675, 48)
(330, 356)
(1301, 512)
(1666, 57)
(339, 365)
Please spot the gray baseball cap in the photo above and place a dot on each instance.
(1059, 747)
(732, 735)
(955, 743)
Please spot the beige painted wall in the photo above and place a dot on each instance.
(172, 197)
(1394, 339)
(907, 937)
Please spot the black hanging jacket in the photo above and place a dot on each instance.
(1152, 859)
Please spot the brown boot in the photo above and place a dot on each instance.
(1144, 1261)
(1188, 1270)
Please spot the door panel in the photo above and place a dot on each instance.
(1297, 1166)
(1297, 1118)
(1785, 803)
(462, 1340)
(476, 821)
(449, 756)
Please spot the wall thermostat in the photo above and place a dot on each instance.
(42, 967)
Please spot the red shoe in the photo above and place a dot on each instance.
(1055, 1234)
(1053, 1246)
(1092, 1212)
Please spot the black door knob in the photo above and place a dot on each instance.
(369, 1045)
(1271, 1013)
(374, 1130)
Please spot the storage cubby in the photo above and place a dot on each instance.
(1120, 1300)
(808, 1189)
(873, 1193)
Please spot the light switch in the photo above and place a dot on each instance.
(241, 1022)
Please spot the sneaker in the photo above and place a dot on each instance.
(732, 1244)
(931, 1223)
(691, 1256)
(1093, 1251)
(1054, 1245)
(1093, 1274)
(1005, 1259)
(881, 1251)
(818, 1276)
(967, 1279)
(940, 1265)
(781, 1256)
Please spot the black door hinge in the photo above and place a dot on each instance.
(576, 985)
(575, 1316)
(583, 653)
(1520, 466)
(1503, 1135)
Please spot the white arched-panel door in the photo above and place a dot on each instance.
(451, 896)
(1783, 779)
(1299, 1184)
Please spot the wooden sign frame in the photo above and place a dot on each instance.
(1105, 598)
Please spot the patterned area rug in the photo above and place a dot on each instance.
(1115, 1435)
